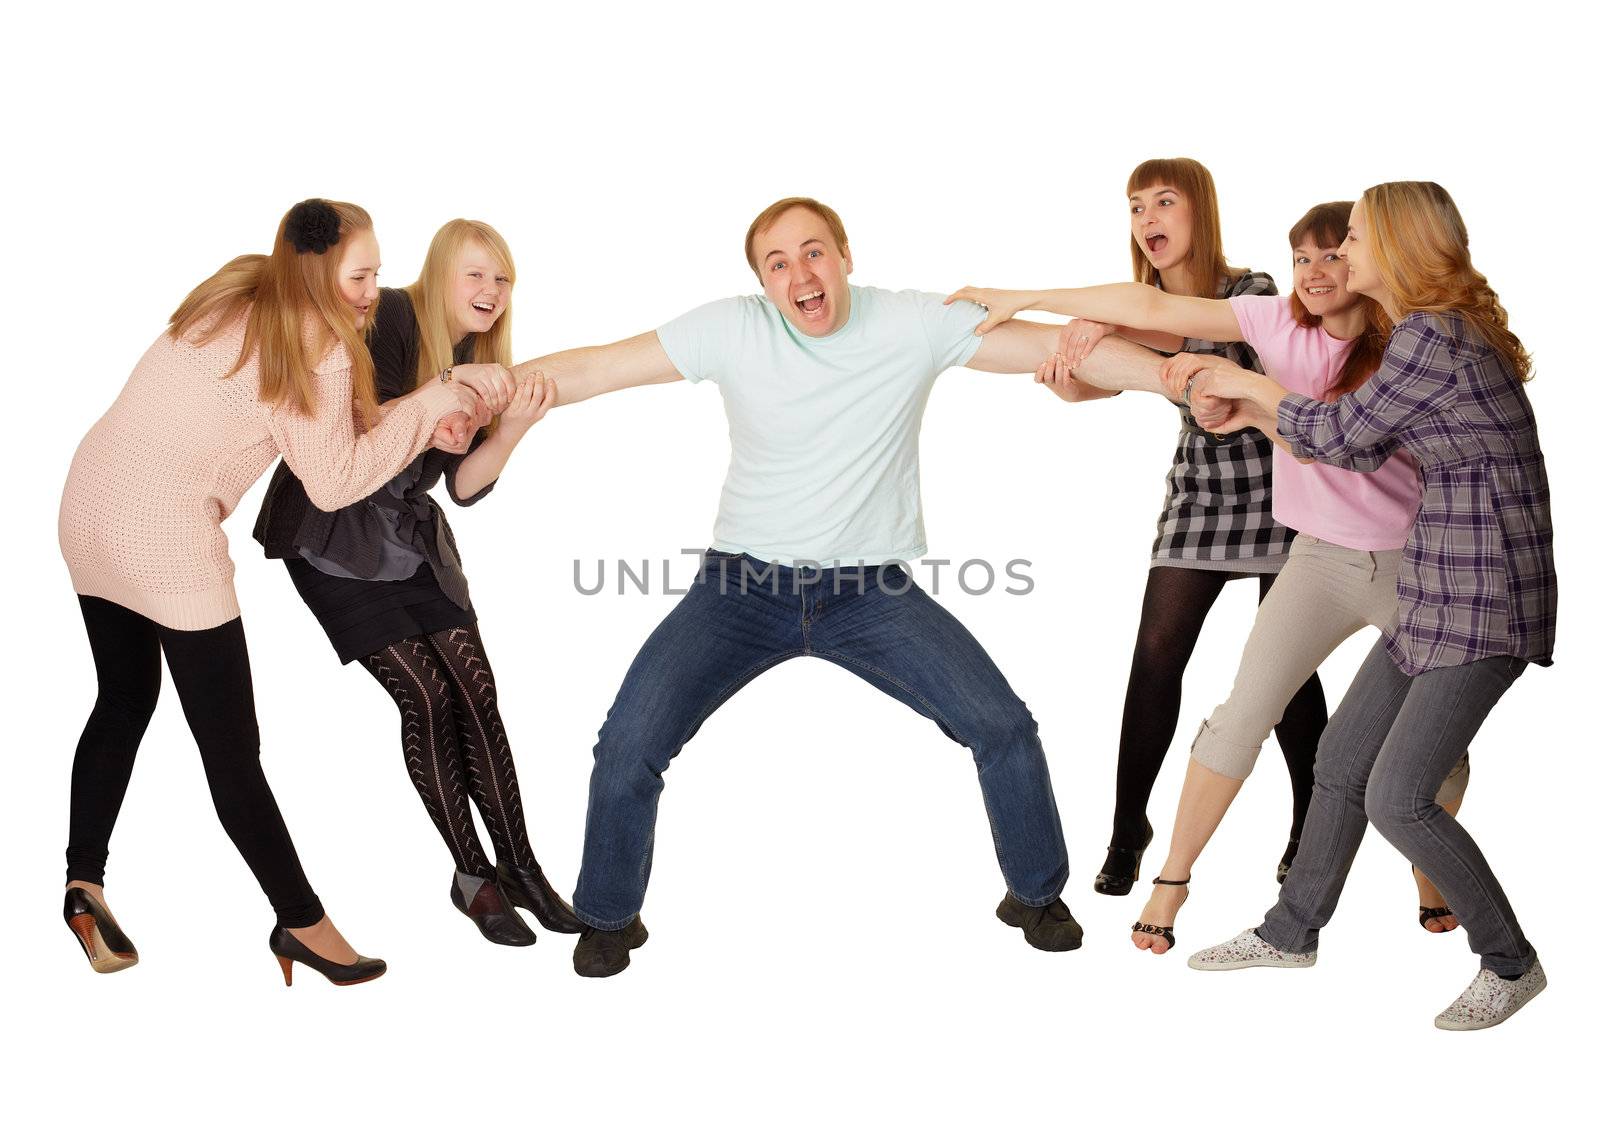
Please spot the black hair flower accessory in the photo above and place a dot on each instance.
(312, 226)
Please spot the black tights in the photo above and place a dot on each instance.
(211, 672)
(455, 745)
(1176, 601)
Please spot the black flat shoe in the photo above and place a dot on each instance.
(108, 949)
(528, 888)
(1121, 868)
(1050, 927)
(602, 953)
(290, 950)
(481, 900)
(1287, 861)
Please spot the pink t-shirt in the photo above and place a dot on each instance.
(1370, 511)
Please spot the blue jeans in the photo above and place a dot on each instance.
(1385, 753)
(741, 617)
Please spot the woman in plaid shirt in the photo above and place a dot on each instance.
(1477, 584)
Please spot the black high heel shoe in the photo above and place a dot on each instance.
(1426, 914)
(107, 948)
(1287, 861)
(1121, 868)
(482, 901)
(528, 888)
(290, 950)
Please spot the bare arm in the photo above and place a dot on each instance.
(1126, 304)
(482, 467)
(1015, 347)
(589, 371)
(1114, 365)
(1117, 364)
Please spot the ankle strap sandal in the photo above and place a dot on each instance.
(1150, 928)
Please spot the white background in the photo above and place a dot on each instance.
(824, 961)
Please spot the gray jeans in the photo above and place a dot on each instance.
(1387, 749)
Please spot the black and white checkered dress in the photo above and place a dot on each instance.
(1218, 513)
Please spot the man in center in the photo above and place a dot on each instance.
(824, 384)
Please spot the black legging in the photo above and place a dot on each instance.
(1176, 601)
(211, 672)
(455, 746)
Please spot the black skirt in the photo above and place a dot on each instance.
(366, 616)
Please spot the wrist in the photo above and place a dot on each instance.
(508, 431)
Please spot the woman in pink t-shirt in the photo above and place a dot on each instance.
(1322, 341)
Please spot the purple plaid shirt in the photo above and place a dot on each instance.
(1477, 578)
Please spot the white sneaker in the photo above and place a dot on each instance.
(1247, 950)
(1489, 1000)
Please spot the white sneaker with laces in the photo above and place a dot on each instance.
(1247, 950)
(1489, 1000)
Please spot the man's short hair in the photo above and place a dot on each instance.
(769, 216)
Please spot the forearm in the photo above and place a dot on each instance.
(1116, 364)
(1154, 339)
(1262, 398)
(1143, 313)
(339, 467)
(589, 371)
(576, 372)
(1127, 304)
(483, 466)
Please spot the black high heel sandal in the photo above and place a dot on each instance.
(1287, 861)
(290, 950)
(1121, 869)
(1151, 928)
(107, 948)
(528, 888)
(1427, 913)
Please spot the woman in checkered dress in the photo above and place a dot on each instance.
(1216, 524)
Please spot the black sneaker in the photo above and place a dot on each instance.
(1049, 927)
(602, 953)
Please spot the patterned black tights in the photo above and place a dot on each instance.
(455, 746)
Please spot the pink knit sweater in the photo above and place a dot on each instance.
(152, 482)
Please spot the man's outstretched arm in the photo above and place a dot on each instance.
(1017, 347)
(588, 371)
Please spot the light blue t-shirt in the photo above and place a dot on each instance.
(824, 430)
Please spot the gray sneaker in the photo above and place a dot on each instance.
(1248, 949)
(1490, 999)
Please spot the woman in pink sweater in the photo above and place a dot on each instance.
(264, 357)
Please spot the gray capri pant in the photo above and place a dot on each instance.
(1325, 594)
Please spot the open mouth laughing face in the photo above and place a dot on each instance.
(480, 290)
(805, 273)
(1161, 225)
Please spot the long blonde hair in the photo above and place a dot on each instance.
(1190, 179)
(430, 296)
(1419, 248)
(280, 290)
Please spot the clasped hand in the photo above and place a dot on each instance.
(486, 390)
(1209, 385)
